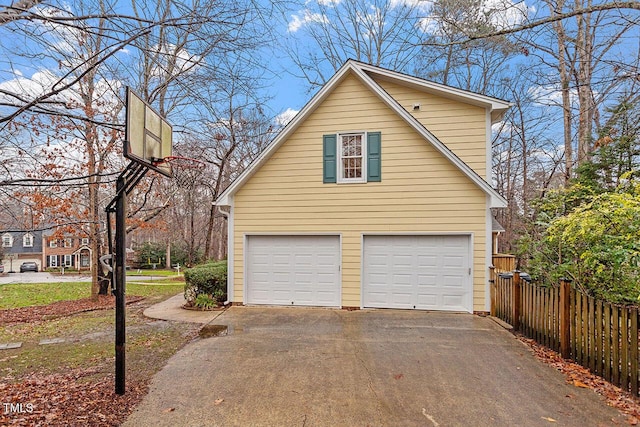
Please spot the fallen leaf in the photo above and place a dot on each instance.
(218, 401)
(166, 411)
(580, 384)
(551, 420)
(632, 421)
(398, 376)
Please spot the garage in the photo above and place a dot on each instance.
(293, 270)
(424, 272)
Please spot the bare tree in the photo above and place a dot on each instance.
(475, 66)
(76, 104)
(323, 35)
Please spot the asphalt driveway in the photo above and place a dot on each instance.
(317, 367)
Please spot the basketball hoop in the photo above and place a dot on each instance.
(185, 170)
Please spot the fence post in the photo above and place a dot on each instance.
(492, 289)
(565, 321)
(515, 303)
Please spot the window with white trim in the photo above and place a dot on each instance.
(85, 240)
(68, 242)
(27, 240)
(53, 260)
(351, 158)
(53, 243)
(7, 240)
(67, 260)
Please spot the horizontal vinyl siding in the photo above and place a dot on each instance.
(420, 192)
(461, 127)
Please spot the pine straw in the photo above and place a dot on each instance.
(59, 309)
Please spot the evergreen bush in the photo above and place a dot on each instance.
(206, 279)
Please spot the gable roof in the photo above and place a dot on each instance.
(364, 73)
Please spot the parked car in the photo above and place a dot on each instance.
(28, 266)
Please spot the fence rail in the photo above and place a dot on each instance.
(598, 335)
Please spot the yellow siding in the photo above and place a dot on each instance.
(461, 127)
(420, 190)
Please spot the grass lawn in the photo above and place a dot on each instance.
(83, 359)
(154, 273)
(30, 294)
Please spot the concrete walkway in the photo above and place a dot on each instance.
(171, 309)
(321, 367)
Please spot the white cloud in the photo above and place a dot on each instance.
(550, 95)
(430, 25)
(105, 95)
(28, 89)
(504, 14)
(501, 14)
(420, 4)
(64, 38)
(305, 17)
(185, 62)
(502, 128)
(285, 117)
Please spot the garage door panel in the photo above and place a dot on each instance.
(427, 281)
(421, 272)
(427, 261)
(293, 270)
(449, 261)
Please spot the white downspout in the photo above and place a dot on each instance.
(229, 257)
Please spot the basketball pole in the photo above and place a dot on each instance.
(125, 183)
(120, 277)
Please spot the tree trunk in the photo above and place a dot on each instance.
(168, 257)
(208, 247)
(584, 53)
(565, 80)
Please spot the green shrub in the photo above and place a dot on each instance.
(205, 301)
(207, 279)
(596, 245)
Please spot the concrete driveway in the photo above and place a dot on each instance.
(317, 367)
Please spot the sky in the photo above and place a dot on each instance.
(289, 94)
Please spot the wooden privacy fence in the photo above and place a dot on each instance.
(504, 262)
(598, 335)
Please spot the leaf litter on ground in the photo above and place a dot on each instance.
(581, 377)
(72, 396)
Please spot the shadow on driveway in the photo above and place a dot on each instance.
(317, 367)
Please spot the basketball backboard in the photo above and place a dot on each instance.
(148, 136)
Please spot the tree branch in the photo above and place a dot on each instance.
(14, 12)
(633, 5)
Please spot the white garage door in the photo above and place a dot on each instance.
(293, 270)
(418, 272)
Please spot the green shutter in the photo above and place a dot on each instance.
(374, 146)
(329, 164)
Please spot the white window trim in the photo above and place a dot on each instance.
(67, 260)
(53, 243)
(53, 260)
(340, 177)
(10, 242)
(24, 240)
(67, 242)
(85, 240)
